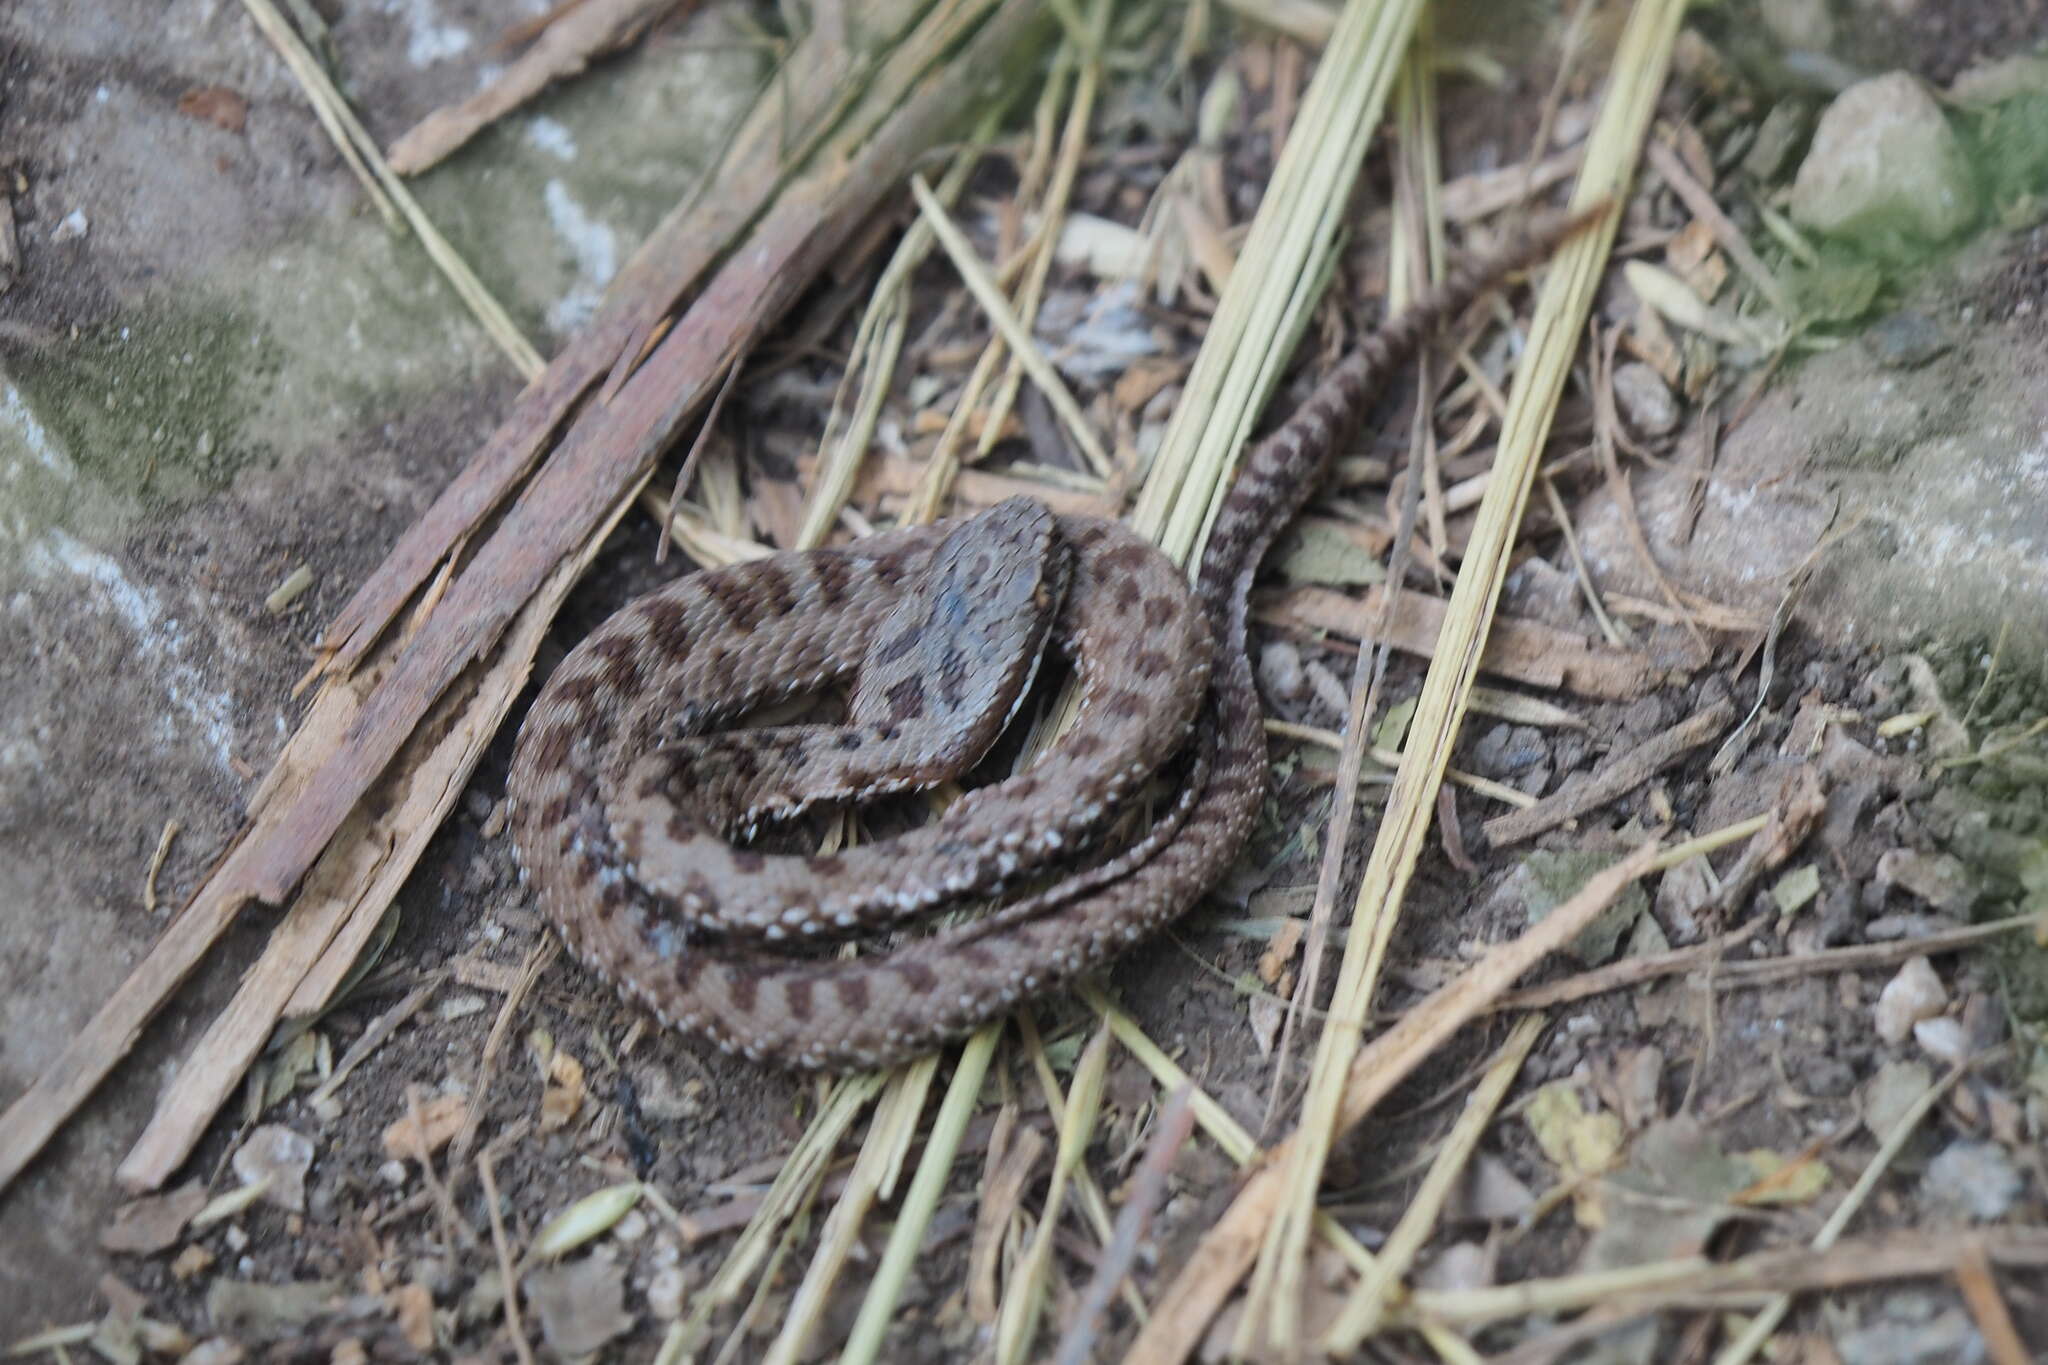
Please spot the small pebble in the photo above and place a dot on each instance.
(1645, 400)
(1936, 878)
(1943, 1038)
(665, 1292)
(1885, 167)
(1280, 671)
(1506, 750)
(1904, 341)
(1916, 993)
(1462, 1266)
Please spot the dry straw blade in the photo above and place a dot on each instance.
(1641, 60)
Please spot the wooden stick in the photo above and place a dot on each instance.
(1618, 778)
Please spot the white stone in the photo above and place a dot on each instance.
(1943, 1038)
(1916, 993)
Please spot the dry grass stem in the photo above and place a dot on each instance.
(1365, 1312)
(796, 1184)
(975, 275)
(1024, 1294)
(891, 1133)
(1391, 758)
(1232, 1243)
(942, 1144)
(1273, 1317)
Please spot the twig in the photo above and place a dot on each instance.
(1745, 1283)
(565, 47)
(508, 1284)
(1699, 201)
(688, 468)
(373, 1037)
(1147, 1189)
(1613, 781)
(455, 1233)
(1529, 652)
(156, 864)
(538, 960)
(1979, 1284)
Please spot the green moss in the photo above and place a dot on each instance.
(2012, 150)
(150, 407)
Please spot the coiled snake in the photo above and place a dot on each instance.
(625, 793)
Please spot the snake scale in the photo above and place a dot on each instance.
(626, 793)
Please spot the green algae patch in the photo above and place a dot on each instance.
(1991, 809)
(150, 408)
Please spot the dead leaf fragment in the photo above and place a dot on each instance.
(193, 1260)
(581, 1305)
(215, 104)
(442, 1116)
(414, 1308)
(562, 1097)
(1781, 1179)
(147, 1225)
(276, 1158)
(1579, 1142)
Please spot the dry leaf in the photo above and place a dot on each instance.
(562, 1098)
(153, 1223)
(1578, 1142)
(442, 1116)
(414, 1308)
(215, 104)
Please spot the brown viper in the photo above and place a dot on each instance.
(625, 793)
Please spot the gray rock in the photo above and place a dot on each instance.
(1506, 750)
(1945, 1340)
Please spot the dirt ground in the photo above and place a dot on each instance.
(230, 370)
